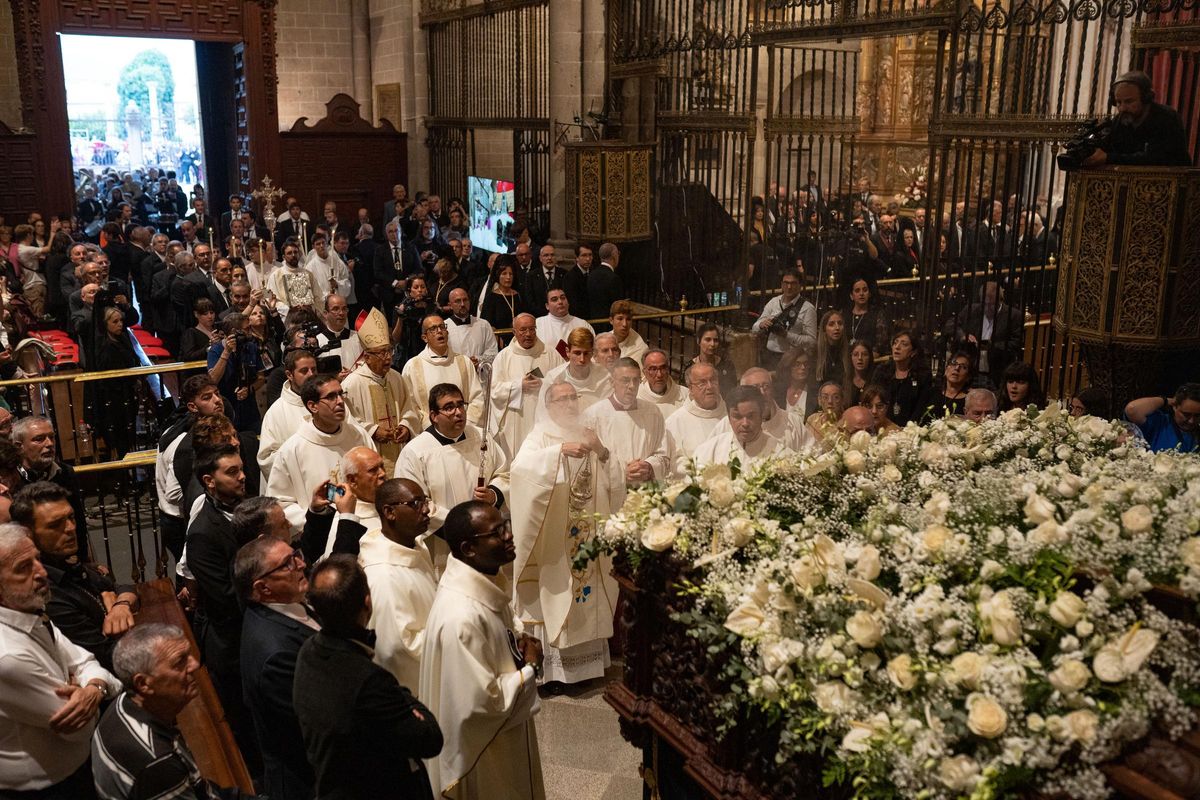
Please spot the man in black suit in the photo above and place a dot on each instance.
(294, 226)
(575, 281)
(395, 261)
(364, 733)
(221, 285)
(269, 577)
(604, 285)
(190, 285)
(992, 327)
(205, 223)
(234, 212)
(541, 279)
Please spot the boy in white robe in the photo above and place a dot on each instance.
(694, 422)
(746, 440)
(632, 345)
(329, 272)
(517, 376)
(438, 363)
(314, 452)
(478, 671)
(286, 414)
(292, 285)
(403, 581)
(563, 479)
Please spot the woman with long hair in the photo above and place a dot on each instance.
(115, 409)
(905, 379)
(833, 351)
(864, 318)
(406, 333)
(195, 341)
(862, 364)
(950, 399)
(1021, 387)
(794, 382)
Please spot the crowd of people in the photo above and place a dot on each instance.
(373, 524)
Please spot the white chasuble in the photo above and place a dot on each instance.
(482, 701)
(513, 411)
(376, 401)
(427, 369)
(687, 428)
(294, 287)
(403, 583)
(557, 504)
(307, 458)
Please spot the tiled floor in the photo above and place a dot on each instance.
(583, 754)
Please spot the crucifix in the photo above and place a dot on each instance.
(267, 194)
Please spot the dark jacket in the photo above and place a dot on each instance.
(1008, 335)
(1159, 141)
(64, 475)
(603, 289)
(270, 646)
(364, 733)
(211, 547)
(318, 527)
(536, 289)
(77, 609)
(574, 283)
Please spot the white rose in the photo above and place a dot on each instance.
(672, 492)
(869, 565)
(868, 591)
(891, 474)
(1071, 676)
(959, 773)
(934, 538)
(865, 629)
(1189, 551)
(1056, 726)
(1048, 533)
(886, 449)
(833, 696)
(1038, 509)
(1137, 519)
(861, 441)
(806, 574)
(1081, 726)
(1003, 622)
(714, 472)
(774, 656)
(854, 460)
(985, 717)
(828, 555)
(741, 531)
(990, 568)
(746, 619)
(899, 670)
(933, 453)
(659, 535)
(937, 505)
(858, 738)
(720, 492)
(1067, 609)
(966, 669)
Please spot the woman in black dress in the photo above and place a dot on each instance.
(502, 303)
(951, 398)
(1021, 387)
(115, 410)
(833, 351)
(708, 338)
(195, 341)
(905, 379)
(862, 364)
(864, 318)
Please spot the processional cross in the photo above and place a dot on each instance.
(267, 194)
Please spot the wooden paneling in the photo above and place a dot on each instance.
(190, 19)
(343, 158)
(18, 174)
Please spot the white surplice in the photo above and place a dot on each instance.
(724, 447)
(325, 269)
(571, 613)
(283, 418)
(483, 702)
(293, 287)
(476, 338)
(787, 428)
(634, 346)
(376, 400)
(636, 434)
(687, 428)
(591, 389)
(427, 369)
(403, 583)
(307, 458)
(448, 472)
(667, 402)
(513, 411)
(552, 329)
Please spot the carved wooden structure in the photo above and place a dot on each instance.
(608, 191)
(37, 161)
(664, 699)
(343, 158)
(1129, 288)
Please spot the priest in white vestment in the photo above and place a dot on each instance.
(363, 473)
(314, 452)
(557, 325)
(635, 432)
(401, 576)
(329, 272)
(658, 387)
(517, 376)
(746, 440)
(471, 336)
(564, 484)
(478, 673)
(438, 363)
(339, 331)
(591, 381)
(632, 345)
(287, 414)
(376, 394)
(785, 427)
(695, 420)
(607, 350)
(292, 284)
(445, 459)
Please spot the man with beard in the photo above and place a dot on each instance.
(293, 285)
(1146, 134)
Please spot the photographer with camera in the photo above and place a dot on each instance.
(1143, 133)
(234, 365)
(787, 320)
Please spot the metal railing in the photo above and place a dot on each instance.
(121, 506)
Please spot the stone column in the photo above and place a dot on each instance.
(564, 90)
(360, 56)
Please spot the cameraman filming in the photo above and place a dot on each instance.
(234, 365)
(787, 320)
(1145, 133)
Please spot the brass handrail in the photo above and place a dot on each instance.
(84, 377)
(657, 315)
(141, 458)
(979, 273)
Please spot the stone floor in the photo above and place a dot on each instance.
(583, 754)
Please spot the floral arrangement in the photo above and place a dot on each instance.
(916, 192)
(958, 610)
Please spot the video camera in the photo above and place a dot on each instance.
(331, 364)
(1085, 141)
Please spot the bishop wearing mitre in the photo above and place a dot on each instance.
(376, 394)
(563, 481)
(518, 373)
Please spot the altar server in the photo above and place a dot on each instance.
(438, 363)
(517, 376)
(590, 380)
(376, 394)
(286, 414)
(694, 422)
(785, 428)
(746, 440)
(471, 336)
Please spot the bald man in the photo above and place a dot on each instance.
(855, 419)
(363, 472)
(471, 336)
(694, 421)
(517, 375)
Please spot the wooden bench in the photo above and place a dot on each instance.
(202, 721)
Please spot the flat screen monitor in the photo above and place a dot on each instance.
(491, 204)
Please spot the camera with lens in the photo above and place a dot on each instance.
(1086, 140)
